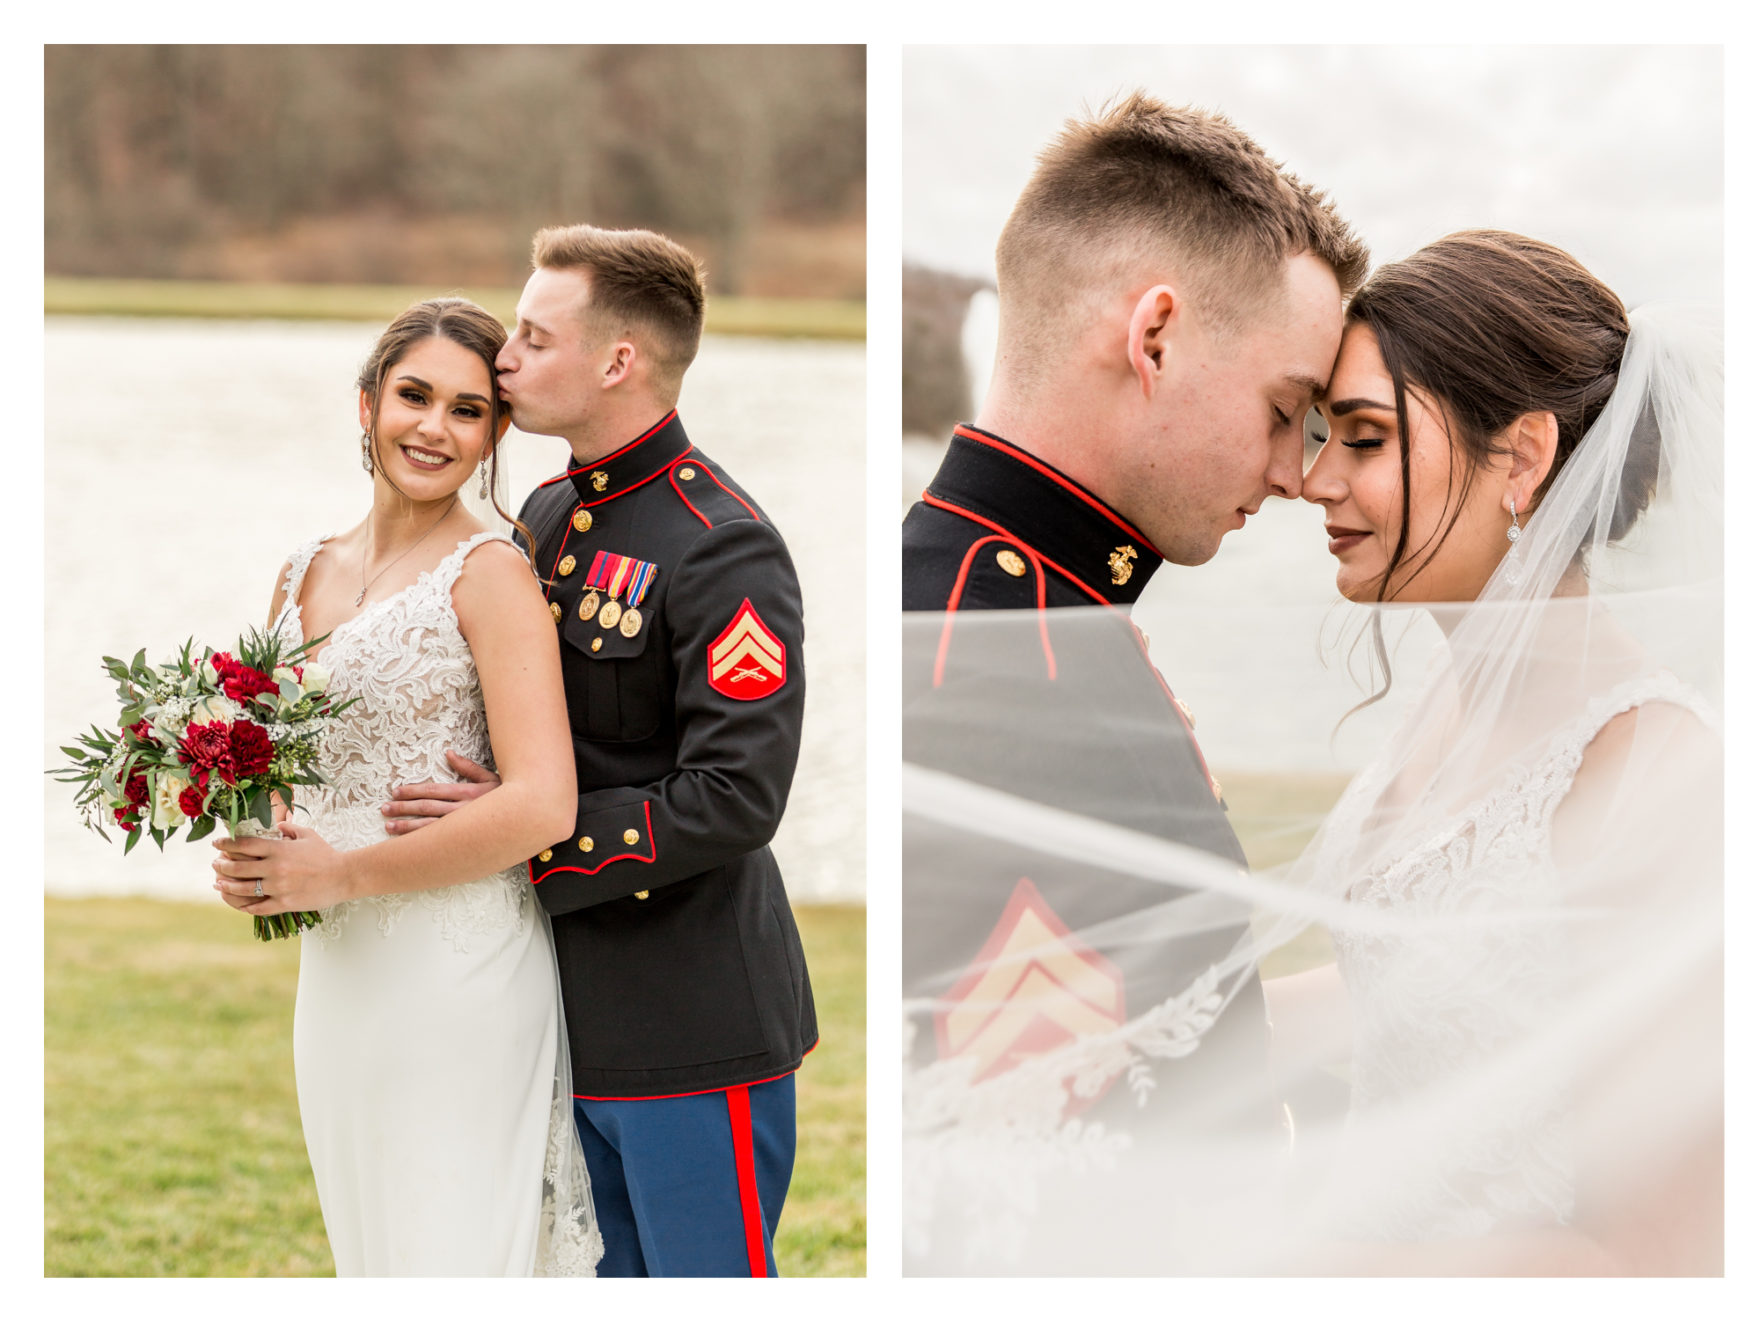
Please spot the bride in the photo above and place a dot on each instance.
(429, 1047)
(1523, 886)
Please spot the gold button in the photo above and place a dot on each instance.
(556, 611)
(586, 843)
(641, 893)
(546, 855)
(567, 565)
(598, 642)
(582, 520)
(630, 836)
(600, 481)
(687, 474)
(1011, 563)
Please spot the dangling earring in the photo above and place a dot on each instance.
(483, 486)
(366, 451)
(1512, 560)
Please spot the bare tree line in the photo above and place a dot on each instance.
(152, 152)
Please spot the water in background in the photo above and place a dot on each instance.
(185, 459)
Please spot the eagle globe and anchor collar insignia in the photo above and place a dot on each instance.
(747, 661)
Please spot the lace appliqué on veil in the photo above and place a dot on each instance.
(406, 660)
(1426, 1008)
(997, 1139)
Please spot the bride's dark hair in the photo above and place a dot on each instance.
(1492, 325)
(463, 323)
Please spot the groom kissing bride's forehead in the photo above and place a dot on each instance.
(1170, 307)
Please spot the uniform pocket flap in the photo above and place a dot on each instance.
(595, 641)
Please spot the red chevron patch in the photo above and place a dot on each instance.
(747, 661)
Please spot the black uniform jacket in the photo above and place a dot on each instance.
(1063, 707)
(681, 967)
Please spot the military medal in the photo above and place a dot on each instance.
(589, 604)
(619, 575)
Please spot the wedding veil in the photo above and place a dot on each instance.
(1515, 1065)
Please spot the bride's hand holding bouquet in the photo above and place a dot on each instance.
(219, 738)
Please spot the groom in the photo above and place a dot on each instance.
(679, 618)
(1170, 306)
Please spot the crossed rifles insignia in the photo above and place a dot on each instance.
(1032, 988)
(747, 660)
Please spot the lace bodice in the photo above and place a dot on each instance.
(405, 659)
(1426, 1009)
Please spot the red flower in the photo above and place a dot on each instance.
(143, 730)
(190, 801)
(135, 790)
(204, 747)
(239, 681)
(125, 818)
(251, 749)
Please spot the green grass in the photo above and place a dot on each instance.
(171, 1135)
(1275, 816)
(784, 318)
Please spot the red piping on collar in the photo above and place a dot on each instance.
(636, 485)
(959, 585)
(1023, 457)
(649, 433)
(982, 521)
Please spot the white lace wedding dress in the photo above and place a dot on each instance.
(1427, 1009)
(428, 1041)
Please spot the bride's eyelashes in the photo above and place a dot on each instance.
(415, 398)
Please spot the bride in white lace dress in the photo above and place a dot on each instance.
(1544, 820)
(429, 1048)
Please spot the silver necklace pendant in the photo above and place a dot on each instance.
(362, 596)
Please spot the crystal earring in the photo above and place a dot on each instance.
(483, 486)
(1512, 560)
(366, 451)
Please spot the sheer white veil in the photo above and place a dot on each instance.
(1520, 1067)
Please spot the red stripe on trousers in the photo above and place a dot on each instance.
(739, 1118)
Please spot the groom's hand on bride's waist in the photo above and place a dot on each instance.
(415, 805)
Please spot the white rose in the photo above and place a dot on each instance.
(317, 678)
(166, 813)
(284, 674)
(209, 709)
(210, 675)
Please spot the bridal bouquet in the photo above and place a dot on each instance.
(202, 741)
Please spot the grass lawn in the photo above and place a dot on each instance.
(780, 318)
(171, 1135)
(1275, 816)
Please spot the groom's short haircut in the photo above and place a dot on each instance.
(641, 283)
(1176, 187)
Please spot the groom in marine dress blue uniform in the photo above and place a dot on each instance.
(1169, 307)
(679, 618)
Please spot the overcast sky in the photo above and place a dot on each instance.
(1613, 153)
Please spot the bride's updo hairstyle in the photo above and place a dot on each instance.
(463, 323)
(1492, 325)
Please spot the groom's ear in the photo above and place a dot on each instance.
(1153, 321)
(623, 362)
(1532, 442)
